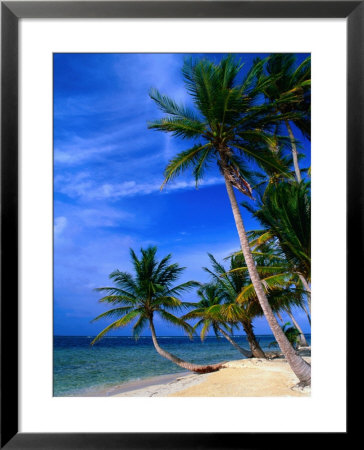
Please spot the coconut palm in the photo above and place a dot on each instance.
(231, 282)
(285, 212)
(292, 335)
(229, 129)
(306, 310)
(289, 92)
(301, 337)
(282, 283)
(277, 280)
(207, 310)
(147, 293)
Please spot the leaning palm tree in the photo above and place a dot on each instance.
(278, 277)
(292, 335)
(231, 282)
(301, 337)
(277, 280)
(289, 91)
(149, 292)
(208, 311)
(231, 130)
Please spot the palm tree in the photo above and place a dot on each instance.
(301, 337)
(230, 129)
(279, 278)
(149, 292)
(306, 310)
(285, 212)
(209, 312)
(231, 283)
(292, 335)
(282, 285)
(289, 92)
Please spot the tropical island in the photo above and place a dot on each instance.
(243, 125)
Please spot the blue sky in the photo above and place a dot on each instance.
(108, 168)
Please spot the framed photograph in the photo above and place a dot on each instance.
(158, 161)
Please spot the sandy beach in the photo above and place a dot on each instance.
(240, 378)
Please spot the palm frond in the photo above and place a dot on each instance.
(118, 299)
(117, 324)
(183, 287)
(167, 301)
(176, 321)
(268, 283)
(139, 326)
(169, 106)
(184, 128)
(265, 158)
(112, 313)
(183, 161)
(205, 329)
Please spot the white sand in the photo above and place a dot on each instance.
(241, 378)
(164, 390)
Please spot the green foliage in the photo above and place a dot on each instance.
(236, 123)
(289, 89)
(292, 334)
(229, 125)
(240, 302)
(208, 310)
(285, 211)
(150, 290)
(278, 281)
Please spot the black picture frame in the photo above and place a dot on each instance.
(11, 12)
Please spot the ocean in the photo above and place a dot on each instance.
(80, 369)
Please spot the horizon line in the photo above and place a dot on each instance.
(108, 337)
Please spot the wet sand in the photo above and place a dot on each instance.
(166, 389)
(135, 385)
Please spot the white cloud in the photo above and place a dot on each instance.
(76, 149)
(82, 186)
(162, 71)
(104, 217)
(60, 224)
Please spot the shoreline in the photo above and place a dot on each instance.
(133, 385)
(253, 377)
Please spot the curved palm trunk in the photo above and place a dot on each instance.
(254, 344)
(299, 366)
(307, 314)
(308, 290)
(244, 352)
(180, 362)
(302, 338)
(294, 152)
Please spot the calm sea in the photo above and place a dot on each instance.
(79, 368)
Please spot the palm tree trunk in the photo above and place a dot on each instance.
(308, 290)
(294, 152)
(180, 362)
(307, 314)
(302, 338)
(244, 352)
(254, 344)
(299, 366)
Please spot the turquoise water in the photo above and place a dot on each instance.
(79, 368)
